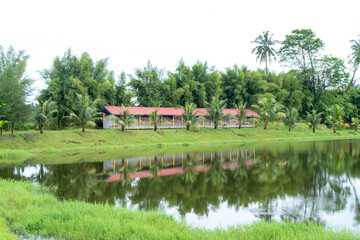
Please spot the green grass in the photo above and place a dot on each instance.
(32, 211)
(31, 143)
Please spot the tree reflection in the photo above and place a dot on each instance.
(309, 179)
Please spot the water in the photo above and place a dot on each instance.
(219, 186)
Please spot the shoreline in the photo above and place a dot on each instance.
(31, 143)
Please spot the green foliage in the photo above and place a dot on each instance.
(45, 114)
(355, 123)
(268, 109)
(85, 114)
(334, 116)
(155, 118)
(2, 123)
(215, 111)
(189, 116)
(314, 119)
(290, 118)
(354, 61)
(125, 119)
(15, 86)
(70, 76)
(264, 49)
(241, 113)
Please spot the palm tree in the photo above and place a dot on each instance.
(335, 112)
(241, 115)
(45, 113)
(314, 119)
(291, 118)
(264, 49)
(125, 119)
(268, 110)
(86, 112)
(355, 60)
(355, 123)
(155, 118)
(215, 111)
(189, 116)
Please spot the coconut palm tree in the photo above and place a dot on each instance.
(335, 112)
(45, 113)
(264, 49)
(155, 118)
(355, 123)
(215, 111)
(241, 113)
(125, 119)
(313, 119)
(86, 112)
(290, 118)
(268, 109)
(189, 115)
(354, 60)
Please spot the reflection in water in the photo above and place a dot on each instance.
(317, 181)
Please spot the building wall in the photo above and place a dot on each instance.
(168, 122)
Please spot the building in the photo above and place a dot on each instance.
(171, 117)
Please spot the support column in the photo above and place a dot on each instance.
(139, 121)
(173, 120)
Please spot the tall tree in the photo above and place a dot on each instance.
(301, 49)
(122, 95)
(354, 61)
(147, 86)
(264, 49)
(15, 86)
(71, 75)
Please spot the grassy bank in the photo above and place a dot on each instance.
(31, 142)
(32, 211)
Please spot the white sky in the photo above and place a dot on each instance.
(163, 31)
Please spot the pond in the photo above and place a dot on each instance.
(213, 186)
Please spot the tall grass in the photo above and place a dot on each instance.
(33, 211)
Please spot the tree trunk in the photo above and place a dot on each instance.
(239, 125)
(41, 130)
(187, 127)
(215, 126)
(289, 129)
(313, 130)
(122, 128)
(265, 125)
(83, 129)
(12, 128)
(0, 131)
(334, 128)
(155, 127)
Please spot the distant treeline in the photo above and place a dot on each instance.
(315, 81)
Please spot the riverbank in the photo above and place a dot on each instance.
(31, 142)
(31, 210)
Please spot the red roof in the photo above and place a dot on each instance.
(168, 111)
